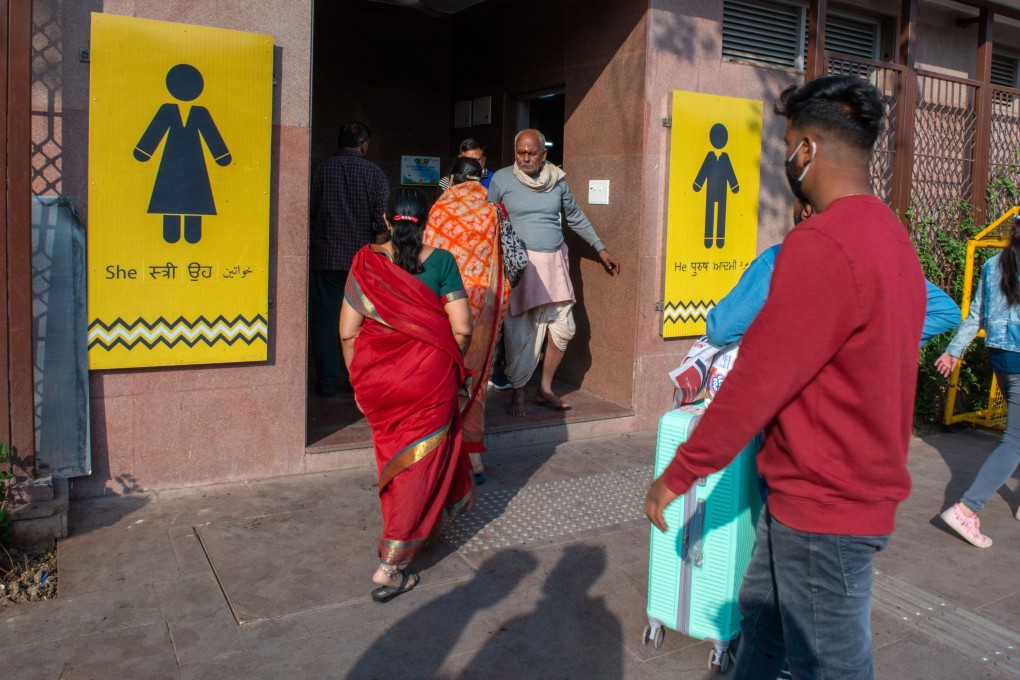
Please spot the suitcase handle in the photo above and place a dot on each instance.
(697, 528)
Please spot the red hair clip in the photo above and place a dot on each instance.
(405, 217)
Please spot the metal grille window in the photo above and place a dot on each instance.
(851, 35)
(774, 34)
(765, 33)
(1004, 70)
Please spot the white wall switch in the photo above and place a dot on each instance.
(598, 192)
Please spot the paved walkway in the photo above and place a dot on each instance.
(546, 578)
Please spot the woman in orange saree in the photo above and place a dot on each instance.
(463, 222)
(404, 326)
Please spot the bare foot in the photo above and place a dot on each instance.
(517, 403)
(547, 398)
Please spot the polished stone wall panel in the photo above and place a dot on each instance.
(165, 427)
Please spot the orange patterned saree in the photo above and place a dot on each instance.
(463, 222)
(406, 371)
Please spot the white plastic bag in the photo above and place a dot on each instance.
(690, 378)
(722, 364)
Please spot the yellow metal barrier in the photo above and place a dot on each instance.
(993, 416)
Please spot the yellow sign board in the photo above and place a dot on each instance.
(712, 223)
(180, 129)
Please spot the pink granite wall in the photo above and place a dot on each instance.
(155, 428)
(618, 61)
(595, 51)
(685, 53)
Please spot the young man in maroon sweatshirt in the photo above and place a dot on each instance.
(828, 369)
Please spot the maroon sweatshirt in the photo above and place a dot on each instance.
(828, 369)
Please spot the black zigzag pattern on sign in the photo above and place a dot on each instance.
(680, 312)
(98, 324)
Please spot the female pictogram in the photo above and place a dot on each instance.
(717, 173)
(182, 189)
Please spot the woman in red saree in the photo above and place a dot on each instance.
(404, 326)
(463, 222)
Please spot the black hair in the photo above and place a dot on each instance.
(465, 169)
(846, 107)
(470, 144)
(409, 211)
(353, 134)
(1009, 265)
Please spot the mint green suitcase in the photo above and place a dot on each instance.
(695, 568)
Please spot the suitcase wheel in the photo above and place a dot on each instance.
(655, 636)
(719, 662)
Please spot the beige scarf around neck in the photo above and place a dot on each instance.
(546, 180)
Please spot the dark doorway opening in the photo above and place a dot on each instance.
(545, 111)
(406, 74)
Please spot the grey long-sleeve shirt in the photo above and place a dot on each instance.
(535, 215)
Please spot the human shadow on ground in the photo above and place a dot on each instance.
(570, 633)
(964, 452)
(429, 633)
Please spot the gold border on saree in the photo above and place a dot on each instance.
(410, 456)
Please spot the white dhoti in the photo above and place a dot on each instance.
(524, 334)
(542, 303)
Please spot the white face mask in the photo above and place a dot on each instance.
(794, 182)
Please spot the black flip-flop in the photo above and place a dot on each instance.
(387, 593)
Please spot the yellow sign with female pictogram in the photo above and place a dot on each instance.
(180, 129)
(712, 219)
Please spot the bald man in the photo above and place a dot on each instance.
(538, 202)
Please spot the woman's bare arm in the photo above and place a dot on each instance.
(350, 326)
(459, 312)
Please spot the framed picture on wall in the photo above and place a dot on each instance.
(419, 171)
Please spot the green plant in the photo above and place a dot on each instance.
(1003, 190)
(6, 479)
(943, 254)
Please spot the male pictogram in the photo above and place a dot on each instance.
(717, 176)
(182, 189)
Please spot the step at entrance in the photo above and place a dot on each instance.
(338, 440)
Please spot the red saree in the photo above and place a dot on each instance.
(405, 371)
(463, 222)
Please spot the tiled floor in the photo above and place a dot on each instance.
(270, 580)
(335, 423)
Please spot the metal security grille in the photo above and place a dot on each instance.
(766, 33)
(942, 174)
(1004, 70)
(852, 36)
(1004, 150)
(886, 78)
(775, 34)
(47, 83)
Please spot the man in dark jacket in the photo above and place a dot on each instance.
(349, 196)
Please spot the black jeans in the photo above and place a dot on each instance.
(325, 296)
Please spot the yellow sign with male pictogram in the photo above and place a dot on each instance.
(180, 129)
(712, 218)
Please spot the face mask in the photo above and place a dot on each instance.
(794, 182)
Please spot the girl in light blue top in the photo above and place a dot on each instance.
(996, 308)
